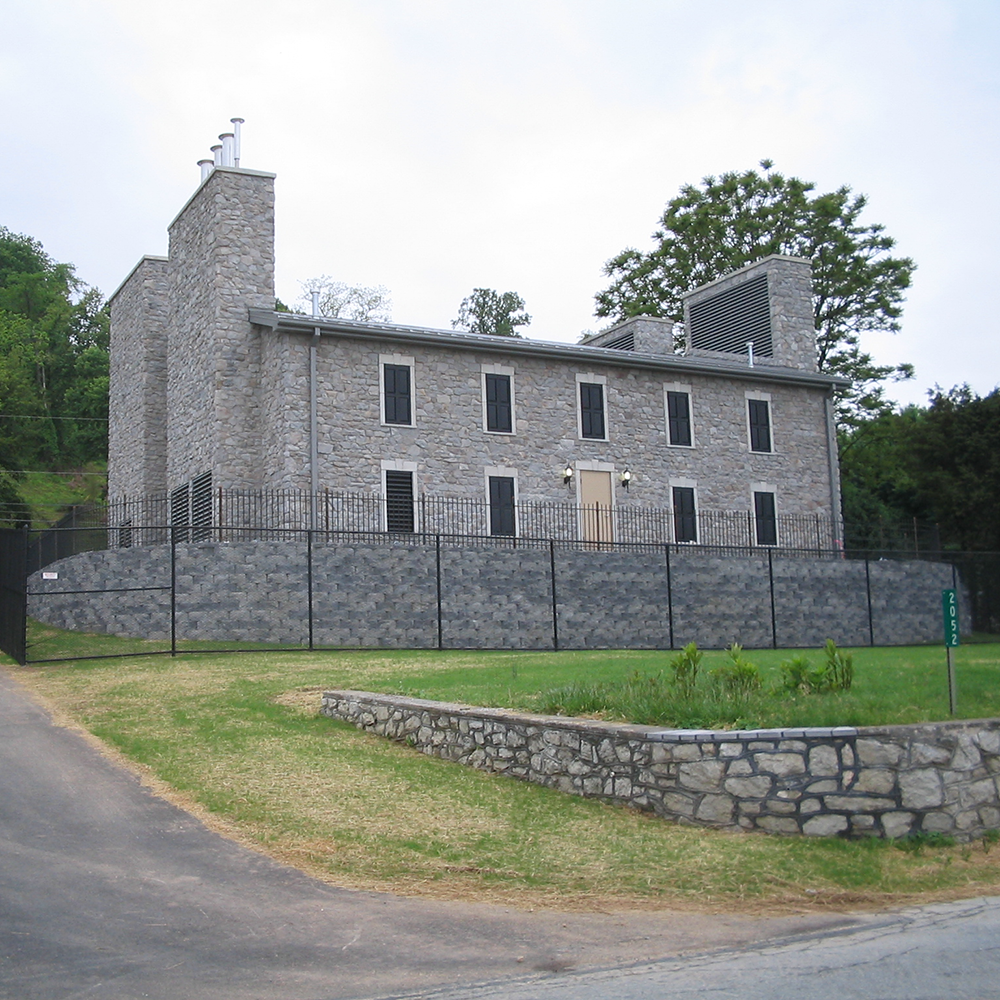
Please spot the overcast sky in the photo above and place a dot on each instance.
(434, 146)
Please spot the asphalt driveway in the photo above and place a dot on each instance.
(107, 890)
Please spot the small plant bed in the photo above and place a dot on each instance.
(732, 694)
(732, 689)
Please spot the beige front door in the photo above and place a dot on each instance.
(595, 498)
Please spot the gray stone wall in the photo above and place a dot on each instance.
(884, 782)
(137, 435)
(793, 332)
(452, 450)
(221, 264)
(385, 593)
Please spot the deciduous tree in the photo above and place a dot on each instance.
(737, 218)
(496, 314)
(339, 300)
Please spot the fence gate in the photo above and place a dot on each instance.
(13, 592)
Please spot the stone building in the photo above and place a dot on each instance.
(211, 389)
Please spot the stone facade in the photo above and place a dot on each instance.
(452, 450)
(884, 782)
(137, 433)
(208, 378)
(371, 594)
(790, 308)
(186, 364)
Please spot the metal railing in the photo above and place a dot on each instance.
(261, 514)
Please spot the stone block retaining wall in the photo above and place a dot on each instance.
(387, 595)
(886, 782)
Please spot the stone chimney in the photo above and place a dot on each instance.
(767, 304)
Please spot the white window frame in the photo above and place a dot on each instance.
(393, 465)
(506, 473)
(686, 389)
(402, 360)
(773, 490)
(601, 380)
(690, 484)
(763, 397)
(509, 372)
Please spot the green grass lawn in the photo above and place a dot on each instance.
(238, 738)
(891, 685)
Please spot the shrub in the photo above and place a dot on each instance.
(836, 674)
(685, 667)
(839, 668)
(739, 677)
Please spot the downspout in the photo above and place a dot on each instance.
(313, 429)
(834, 464)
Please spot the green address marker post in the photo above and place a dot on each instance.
(949, 606)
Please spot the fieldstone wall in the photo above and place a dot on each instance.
(137, 428)
(884, 782)
(389, 594)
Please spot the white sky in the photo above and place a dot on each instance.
(434, 146)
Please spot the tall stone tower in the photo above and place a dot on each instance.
(185, 361)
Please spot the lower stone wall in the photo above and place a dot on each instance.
(885, 782)
(489, 597)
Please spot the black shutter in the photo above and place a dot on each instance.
(760, 425)
(502, 505)
(498, 409)
(685, 518)
(397, 394)
(679, 418)
(592, 409)
(765, 518)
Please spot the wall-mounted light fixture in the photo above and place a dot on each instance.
(625, 478)
(568, 475)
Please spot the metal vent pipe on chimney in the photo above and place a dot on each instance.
(217, 155)
(207, 166)
(228, 145)
(236, 123)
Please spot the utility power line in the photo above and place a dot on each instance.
(29, 416)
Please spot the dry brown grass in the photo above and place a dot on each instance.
(237, 740)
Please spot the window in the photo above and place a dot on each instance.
(592, 410)
(679, 418)
(502, 516)
(685, 516)
(760, 424)
(398, 501)
(499, 403)
(397, 394)
(765, 518)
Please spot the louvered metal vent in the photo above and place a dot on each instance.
(626, 342)
(726, 321)
(191, 509)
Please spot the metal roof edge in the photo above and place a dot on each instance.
(296, 323)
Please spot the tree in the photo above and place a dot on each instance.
(53, 361)
(955, 458)
(737, 218)
(338, 300)
(493, 313)
(938, 464)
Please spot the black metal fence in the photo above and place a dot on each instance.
(260, 514)
(157, 607)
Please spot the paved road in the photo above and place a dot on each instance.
(107, 891)
(945, 952)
